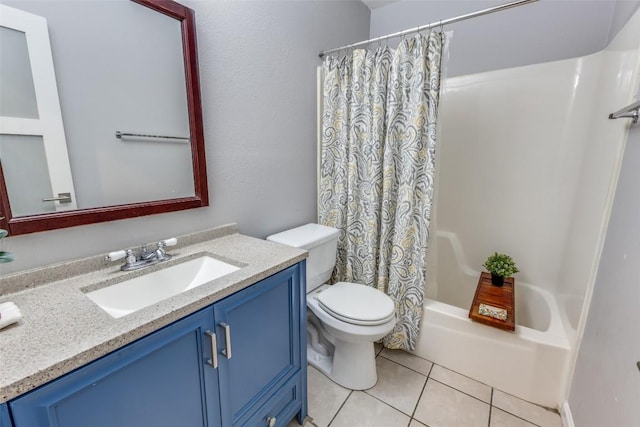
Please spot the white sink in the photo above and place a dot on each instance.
(139, 292)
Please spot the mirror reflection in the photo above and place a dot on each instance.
(73, 75)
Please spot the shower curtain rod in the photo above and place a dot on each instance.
(433, 25)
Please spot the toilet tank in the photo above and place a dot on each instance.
(321, 242)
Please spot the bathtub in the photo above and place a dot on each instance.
(531, 363)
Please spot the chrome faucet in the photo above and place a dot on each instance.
(146, 258)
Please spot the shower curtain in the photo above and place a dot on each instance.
(378, 167)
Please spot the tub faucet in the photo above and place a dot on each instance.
(146, 258)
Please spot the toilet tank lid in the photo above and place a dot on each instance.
(306, 236)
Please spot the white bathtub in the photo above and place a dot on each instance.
(531, 363)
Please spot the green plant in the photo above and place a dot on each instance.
(501, 265)
(5, 256)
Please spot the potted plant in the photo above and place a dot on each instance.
(5, 256)
(500, 266)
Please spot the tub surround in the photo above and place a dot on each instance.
(531, 363)
(62, 329)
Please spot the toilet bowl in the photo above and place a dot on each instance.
(351, 363)
(344, 319)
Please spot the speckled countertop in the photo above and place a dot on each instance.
(62, 330)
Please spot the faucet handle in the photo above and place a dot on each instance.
(114, 256)
(169, 242)
(161, 254)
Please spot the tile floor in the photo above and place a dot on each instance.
(413, 392)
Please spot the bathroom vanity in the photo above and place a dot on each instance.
(227, 353)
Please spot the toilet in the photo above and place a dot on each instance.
(344, 319)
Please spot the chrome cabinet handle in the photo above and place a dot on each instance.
(227, 340)
(271, 421)
(213, 362)
(62, 198)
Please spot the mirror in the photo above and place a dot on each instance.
(100, 113)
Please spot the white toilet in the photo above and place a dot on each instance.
(343, 320)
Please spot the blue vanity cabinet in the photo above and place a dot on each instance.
(159, 380)
(5, 420)
(261, 373)
(168, 378)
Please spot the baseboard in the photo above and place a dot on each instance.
(565, 414)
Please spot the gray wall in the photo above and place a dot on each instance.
(258, 74)
(606, 383)
(530, 34)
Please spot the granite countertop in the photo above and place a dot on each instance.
(62, 329)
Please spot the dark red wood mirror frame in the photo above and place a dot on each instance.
(55, 220)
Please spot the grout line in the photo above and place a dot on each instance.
(413, 415)
(388, 404)
(379, 351)
(415, 408)
(520, 418)
(451, 387)
(430, 369)
(340, 408)
(490, 407)
(405, 366)
(552, 410)
(526, 401)
(463, 375)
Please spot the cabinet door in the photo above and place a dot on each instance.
(259, 332)
(5, 421)
(160, 380)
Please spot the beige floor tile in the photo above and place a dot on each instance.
(500, 418)
(294, 423)
(523, 409)
(443, 406)
(397, 385)
(362, 410)
(325, 397)
(462, 383)
(409, 360)
(415, 423)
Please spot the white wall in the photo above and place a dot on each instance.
(606, 383)
(258, 72)
(605, 388)
(548, 30)
(604, 147)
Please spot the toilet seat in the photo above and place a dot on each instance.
(356, 304)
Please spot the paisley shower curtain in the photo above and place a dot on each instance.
(378, 167)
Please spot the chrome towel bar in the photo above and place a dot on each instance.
(121, 135)
(631, 111)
